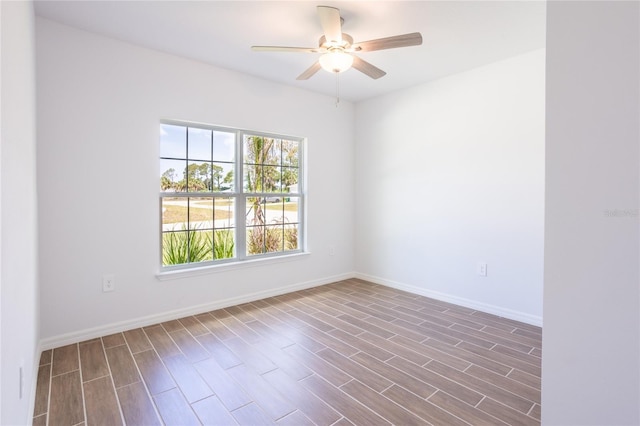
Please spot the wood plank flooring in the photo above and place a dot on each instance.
(350, 352)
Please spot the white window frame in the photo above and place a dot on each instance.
(239, 195)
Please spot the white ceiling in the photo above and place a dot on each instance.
(458, 35)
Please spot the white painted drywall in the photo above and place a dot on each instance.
(449, 174)
(591, 339)
(99, 106)
(18, 220)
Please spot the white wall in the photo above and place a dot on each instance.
(591, 340)
(99, 106)
(451, 173)
(18, 221)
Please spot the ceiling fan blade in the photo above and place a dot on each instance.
(310, 71)
(331, 24)
(367, 68)
(286, 49)
(411, 39)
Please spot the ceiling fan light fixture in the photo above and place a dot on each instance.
(336, 61)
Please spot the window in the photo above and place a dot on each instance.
(228, 195)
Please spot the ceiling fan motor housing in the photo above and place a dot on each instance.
(345, 44)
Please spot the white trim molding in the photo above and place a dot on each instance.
(118, 327)
(467, 303)
(225, 267)
(91, 333)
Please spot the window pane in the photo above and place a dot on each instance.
(175, 248)
(255, 211)
(276, 153)
(290, 153)
(224, 243)
(199, 144)
(224, 146)
(259, 178)
(273, 239)
(251, 149)
(200, 213)
(255, 240)
(252, 178)
(187, 247)
(271, 179)
(172, 175)
(291, 237)
(174, 214)
(289, 179)
(292, 210)
(173, 141)
(200, 246)
(222, 176)
(199, 177)
(261, 150)
(274, 211)
(273, 154)
(224, 215)
(264, 239)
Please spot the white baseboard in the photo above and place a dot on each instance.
(91, 333)
(467, 303)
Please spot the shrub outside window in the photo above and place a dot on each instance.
(228, 195)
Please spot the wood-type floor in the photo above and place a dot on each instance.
(346, 353)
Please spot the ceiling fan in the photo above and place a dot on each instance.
(338, 48)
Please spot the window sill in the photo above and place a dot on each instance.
(212, 269)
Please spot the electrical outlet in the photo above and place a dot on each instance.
(332, 250)
(108, 283)
(482, 269)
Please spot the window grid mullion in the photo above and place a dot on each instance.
(241, 233)
(186, 172)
